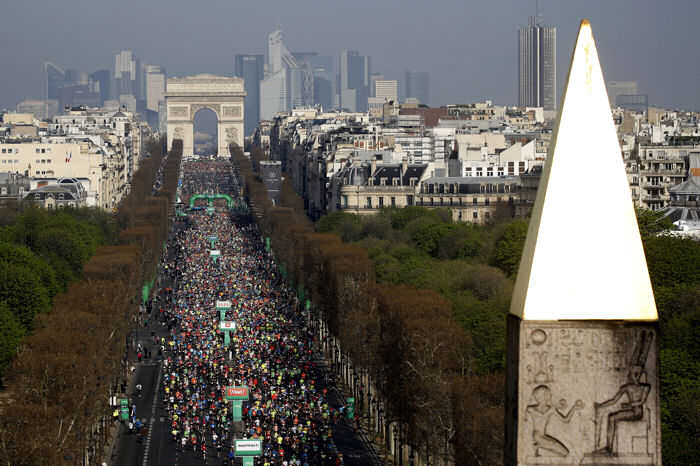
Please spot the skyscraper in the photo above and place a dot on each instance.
(54, 77)
(385, 89)
(250, 68)
(125, 74)
(537, 65)
(616, 88)
(102, 84)
(154, 79)
(354, 80)
(418, 86)
(282, 88)
(323, 69)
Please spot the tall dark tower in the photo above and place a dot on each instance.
(250, 68)
(537, 65)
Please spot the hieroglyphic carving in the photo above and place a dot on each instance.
(609, 413)
(232, 111)
(604, 368)
(540, 413)
(178, 112)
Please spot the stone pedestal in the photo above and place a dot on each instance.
(582, 392)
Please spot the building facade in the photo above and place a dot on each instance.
(537, 65)
(250, 68)
(417, 86)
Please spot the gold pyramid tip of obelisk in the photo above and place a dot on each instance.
(583, 257)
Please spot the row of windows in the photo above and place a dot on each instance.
(10, 161)
(368, 204)
(16, 151)
(43, 160)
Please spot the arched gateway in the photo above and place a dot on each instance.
(185, 96)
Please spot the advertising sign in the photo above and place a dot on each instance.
(215, 253)
(237, 393)
(223, 305)
(248, 447)
(227, 326)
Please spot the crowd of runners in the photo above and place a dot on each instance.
(270, 351)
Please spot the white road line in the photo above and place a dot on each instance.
(153, 419)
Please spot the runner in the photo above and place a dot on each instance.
(271, 349)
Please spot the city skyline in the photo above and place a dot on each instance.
(471, 56)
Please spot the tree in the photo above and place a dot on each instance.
(23, 293)
(11, 333)
(652, 223)
(672, 260)
(509, 248)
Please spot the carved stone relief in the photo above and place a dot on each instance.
(215, 107)
(231, 135)
(179, 133)
(232, 111)
(178, 112)
(588, 394)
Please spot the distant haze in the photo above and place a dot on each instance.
(468, 47)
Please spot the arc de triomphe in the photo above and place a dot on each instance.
(185, 96)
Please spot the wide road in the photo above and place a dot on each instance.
(293, 407)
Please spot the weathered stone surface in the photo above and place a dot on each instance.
(223, 95)
(582, 392)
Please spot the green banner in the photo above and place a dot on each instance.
(351, 407)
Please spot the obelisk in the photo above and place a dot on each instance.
(582, 358)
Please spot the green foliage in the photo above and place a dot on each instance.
(672, 260)
(509, 248)
(23, 292)
(680, 410)
(401, 216)
(11, 333)
(40, 253)
(23, 256)
(652, 223)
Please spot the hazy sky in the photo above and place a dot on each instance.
(469, 47)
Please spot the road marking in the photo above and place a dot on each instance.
(153, 419)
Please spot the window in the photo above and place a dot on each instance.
(369, 203)
(393, 201)
(475, 214)
(409, 200)
(48, 160)
(48, 151)
(474, 200)
(381, 201)
(487, 201)
(38, 161)
(43, 160)
(3, 151)
(43, 151)
(345, 201)
(38, 151)
(487, 214)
